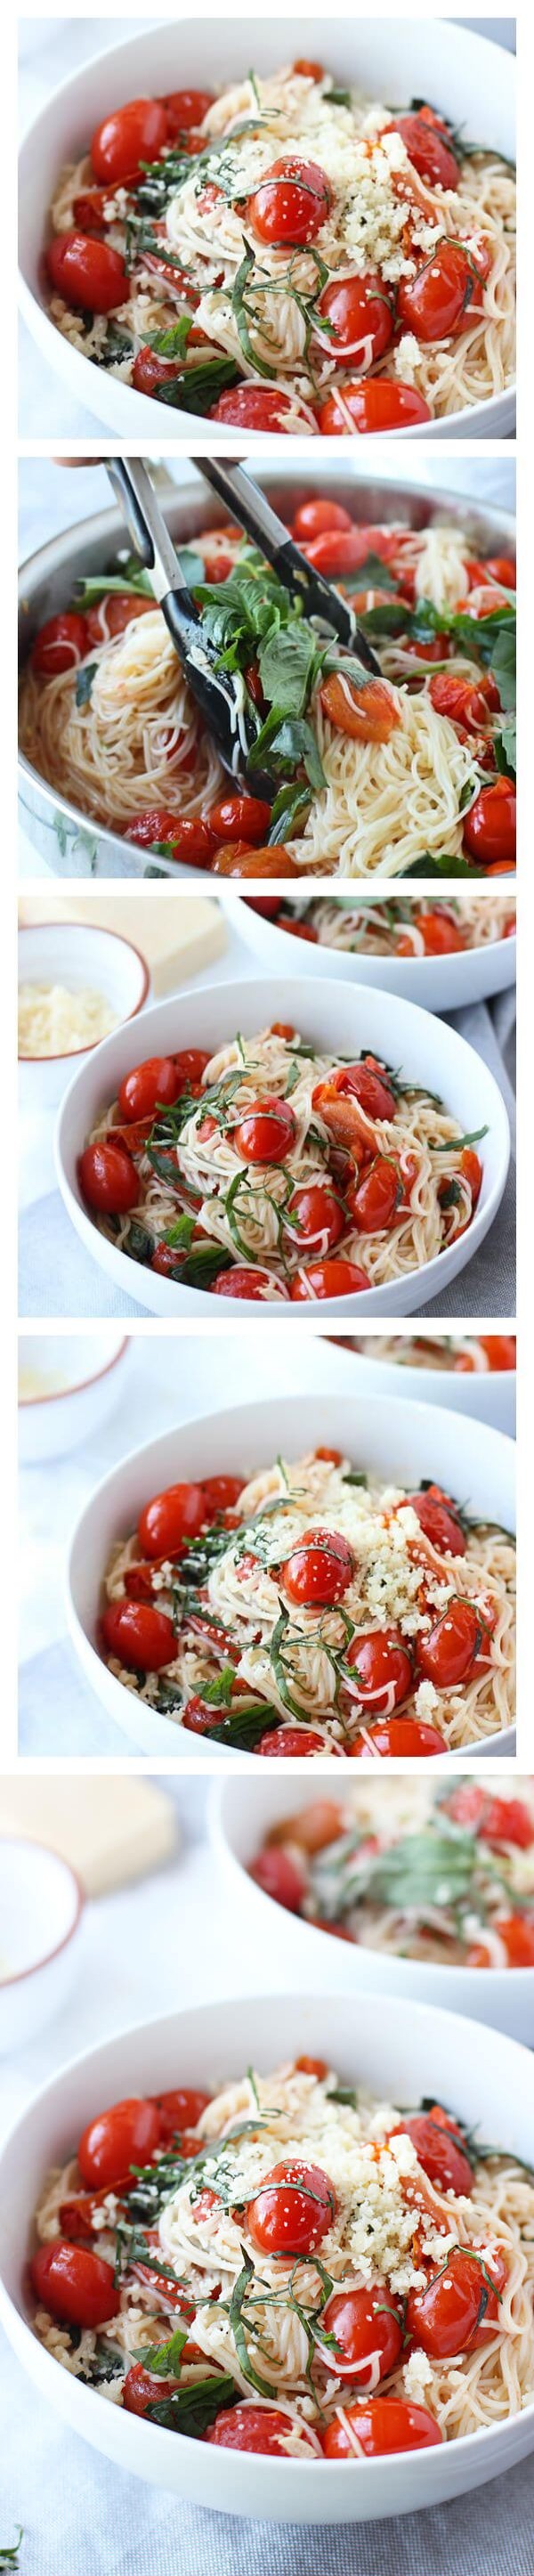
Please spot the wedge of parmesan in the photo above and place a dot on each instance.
(109, 1831)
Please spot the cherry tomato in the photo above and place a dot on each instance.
(500, 1349)
(266, 1133)
(316, 2066)
(170, 1518)
(377, 1200)
(439, 1521)
(221, 1492)
(386, 2424)
(319, 1569)
(59, 645)
(252, 407)
(335, 551)
(187, 107)
(142, 1637)
(400, 1735)
(428, 149)
(367, 2327)
(291, 203)
(241, 1282)
(462, 701)
(87, 272)
(370, 1086)
(141, 2389)
(234, 859)
(252, 2428)
(282, 1742)
(439, 2149)
(156, 1080)
(180, 2110)
(441, 937)
(112, 615)
(372, 406)
(315, 1827)
(74, 2284)
(268, 906)
(150, 371)
(314, 1214)
(126, 2135)
(319, 518)
(368, 713)
(384, 1670)
(89, 210)
(517, 1932)
(498, 1820)
(501, 568)
(490, 826)
(333, 1278)
(457, 2311)
(292, 2210)
(108, 1178)
(299, 930)
(360, 319)
(309, 71)
(471, 1169)
(240, 816)
(279, 1877)
(190, 840)
(131, 135)
(444, 297)
(447, 1652)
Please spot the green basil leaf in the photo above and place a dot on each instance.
(84, 683)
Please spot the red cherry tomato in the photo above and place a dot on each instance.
(441, 937)
(282, 1742)
(179, 2110)
(377, 1200)
(500, 1349)
(87, 272)
(384, 1670)
(186, 108)
(400, 1735)
(463, 702)
(316, 1826)
(309, 71)
(290, 204)
(333, 1278)
(428, 149)
(319, 518)
(490, 826)
(360, 319)
(236, 817)
(59, 645)
(252, 407)
(498, 1820)
(517, 1932)
(444, 298)
(314, 1215)
(367, 2327)
(458, 2311)
(439, 2149)
(74, 2284)
(142, 1637)
(501, 568)
(439, 1521)
(126, 2135)
(266, 1133)
(335, 551)
(292, 2210)
(447, 1652)
(178, 1514)
(221, 1492)
(133, 134)
(154, 1081)
(368, 713)
(371, 405)
(279, 1877)
(252, 2428)
(386, 2424)
(150, 371)
(112, 615)
(370, 1086)
(141, 2389)
(319, 1569)
(108, 1179)
(241, 1282)
(89, 210)
(189, 840)
(268, 906)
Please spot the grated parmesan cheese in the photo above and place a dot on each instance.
(55, 1019)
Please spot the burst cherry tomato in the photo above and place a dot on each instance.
(170, 1518)
(59, 645)
(252, 2428)
(319, 1569)
(447, 1652)
(156, 1080)
(240, 817)
(498, 1820)
(180, 2110)
(368, 713)
(279, 1877)
(133, 134)
(189, 840)
(318, 518)
(266, 1133)
(500, 1349)
(383, 1670)
(252, 407)
(444, 297)
(517, 1932)
(314, 1215)
(438, 1519)
(150, 371)
(74, 2284)
(386, 2424)
(141, 2389)
(367, 2327)
(235, 860)
(143, 1638)
(441, 937)
(370, 1086)
(314, 1827)
(126, 2135)
(108, 1178)
(333, 1278)
(400, 1735)
(290, 204)
(439, 2149)
(464, 703)
(500, 568)
(283, 1742)
(292, 2210)
(371, 405)
(335, 551)
(222, 1492)
(428, 149)
(377, 1200)
(458, 2311)
(360, 319)
(112, 615)
(241, 1282)
(87, 272)
(186, 108)
(490, 826)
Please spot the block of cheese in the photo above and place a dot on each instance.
(111, 1831)
(178, 934)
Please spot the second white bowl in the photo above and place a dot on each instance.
(439, 983)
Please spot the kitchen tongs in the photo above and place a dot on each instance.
(217, 693)
(318, 598)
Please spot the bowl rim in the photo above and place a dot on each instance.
(71, 1055)
(58, 1394)
(495, 948)
(503, 1377)
(29, 1843)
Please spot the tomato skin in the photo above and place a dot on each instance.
(266, 1133)
(314, 1827)
(290, 204)
(377, 1200)
(279, 1878)
(500, 1349)
(309, 71)
(240, 817)
(179, 2110)
(336, 550)
(501, 568)
(222, 1492)
(371, 1088)
(241, 1282)
(314, 1212)
(385, 1674)
(142, 2389)
(143, 1638)
(190, 840)
(441, 938)
(439, 1522)
(374, 404)
(251, 2428)
(444, 2318)
(319, 1569)
(386, 2424)
(400, 1735)
(283, 2217)
(252, 407)
(364, 2322)
(368, 713)
(87, 272)
(462, 701)
(179, 1513)
(119, 611)
(497, 1820)
(330, 1278)
(59, 645)
(444, 297)
(235, 860)
(108, 1178)
(153, 1081)
(186, 108)
(74, 2284)
(281, 1743)
(126, 2135)
(447, 1652)
(320, 518)
(439, 2149)
(490, 827)
(132, 134)
(517, 1932)
(428, 149)
(359, 314)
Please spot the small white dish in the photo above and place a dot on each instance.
(397, 1442)
(337, 1020)
(72, 954)
(398, 2053)
(439, 983)
(53, 1421)
(241, 1813)
(41, 1903)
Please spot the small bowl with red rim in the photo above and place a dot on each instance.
(41, 1904)
(77, 958)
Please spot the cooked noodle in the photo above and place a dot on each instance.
(443, 1877)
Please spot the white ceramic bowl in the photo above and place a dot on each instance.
(400, 2053)
(72, 954)
(491, 1396)
(242, 1812)
(388, 1439)
(440, 983)
(472, 80)
(49, 1425)
(41, 1904)
(331, 1017)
